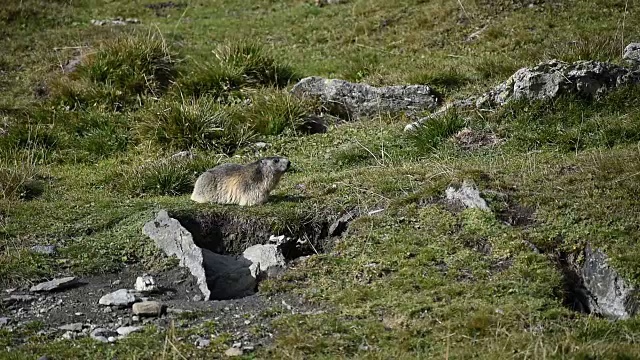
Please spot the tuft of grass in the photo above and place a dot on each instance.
(446, 80)
(273, 112)
(195, 123)
(601, 48)
(255, 64)
(432, 133)
(169, 177)
(120, 73)
(495, 66)
(19, 174)
(212, 79)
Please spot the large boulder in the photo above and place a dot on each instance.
(353, 100)
(550, 79)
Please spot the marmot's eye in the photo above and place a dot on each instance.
(276, 160)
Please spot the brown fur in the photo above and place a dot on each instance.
(240, 184)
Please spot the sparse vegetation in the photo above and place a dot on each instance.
(86, 160)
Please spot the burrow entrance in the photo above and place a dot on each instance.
(229, 254)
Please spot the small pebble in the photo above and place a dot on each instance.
(232, 352)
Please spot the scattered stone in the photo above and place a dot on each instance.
(237, 345)
(107, 310)
(468, 195)
(233, 352)
(260, 145)
(55, 284)
(111, 339)
(135, 318)
(202, 342)
(146, 283)
(182, 155)
(266, 259)
(75, 327)
(44, 249)
(148, 308)
(9, 291)
(126, 330)
(79, 314)
(122, 297)
(609, 294)
(321, 3)
(218, 276)
(116, 21)
(102, 335)
(632, 54)
(69, 335)
(197, 298)
(4, 321)
(353, 100)
(116, 282)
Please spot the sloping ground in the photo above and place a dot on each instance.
(85, 162)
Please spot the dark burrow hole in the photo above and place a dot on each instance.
(231, 235)
(575, 295)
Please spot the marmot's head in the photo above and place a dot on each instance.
(275, 164)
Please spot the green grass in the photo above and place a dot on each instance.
(86, 160)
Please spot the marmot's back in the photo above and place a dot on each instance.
(240, 184)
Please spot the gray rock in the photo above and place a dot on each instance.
(609, 294)
(468, 195)
(182, 155)
(76, 327)
(353, 100)
(260, 145)
(55, 284)
(265, 259)
(111, 339)
(19, 298)
(218, 276)
(126, 330)
(4, 321)
(550, 79)
(547, 80)
(147, 308)
(202, 342)
(632, 54)
(233, 352)
(102, 335)
(146, 283)
(44, 249)
(69, 335)
(122, 297)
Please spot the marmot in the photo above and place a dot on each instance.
(240, 184)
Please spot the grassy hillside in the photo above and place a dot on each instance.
(85, 161)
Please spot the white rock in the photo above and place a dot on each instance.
(147, 308)
(126, 330)
(146, 283)
(468, 195)
(264, 258)
(232, 352)
(71, 327)
(122, 297)
(55, 284)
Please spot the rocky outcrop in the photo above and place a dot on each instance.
(354, 100)
(548, 80)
